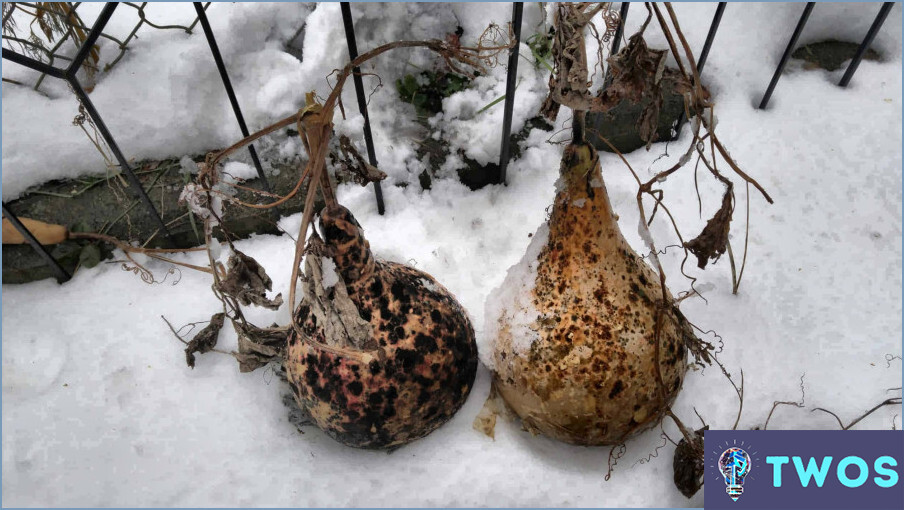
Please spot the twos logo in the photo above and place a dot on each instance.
(887, 477)
(804, 469)
(735, 466)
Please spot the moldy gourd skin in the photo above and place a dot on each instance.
(590, 378)
(411, 376)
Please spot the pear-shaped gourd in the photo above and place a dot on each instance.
(386, 354)
(574, 323)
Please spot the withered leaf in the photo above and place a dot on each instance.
(700, 349)
(550, 107)
(687, 464)
(637, 72)
(247, 282)
(485, 421)
(648, 122)
(259, 346)
(44, 25)
(333, 308)
(351, 164)
(205, 340)
(713, 240)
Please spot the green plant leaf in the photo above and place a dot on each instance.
(89, 256)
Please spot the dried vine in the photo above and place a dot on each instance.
(313, 122)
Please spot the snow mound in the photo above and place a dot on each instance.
(512, 303)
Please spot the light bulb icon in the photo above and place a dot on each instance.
(734, 465)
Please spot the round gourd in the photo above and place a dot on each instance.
(415, 365)
(573, 324)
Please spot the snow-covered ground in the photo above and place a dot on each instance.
(100, 409)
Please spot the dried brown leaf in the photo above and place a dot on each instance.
(351, 164)
(44, 25)
(637, 72)
(648, 122)
(550, 107)
(687, 464)
(205, 340)
(259, 346)
(485, 421)
(343, 326)
(248, 282)
(713, 240)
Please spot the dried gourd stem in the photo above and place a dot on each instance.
(183, 264)
(306, 217)
(888, 402)
(740, 392)
(126, 247)
(276, 203)
(714, 171)
(737, 170)
(577, 127)
(775, 405)
(315, 129)
(668, 37)
(698, 87)
(282, 200)
(317, 161)
(746, 239)
(688, 433)
(253, 190)
(225, 299)
(620, 155)
(150, 252)
(276, 126)
(646, 23)
(687, 50)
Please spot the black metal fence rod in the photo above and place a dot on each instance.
(192, 26)
(616, 43)
(69, 76)
(511, 77)
(870, 35)
(31, 63)
(88, 43)
(701, 61)
(710, 36)
(61, 274)
(362, 102)
(114, 148)
(227, 84)
(781, 64)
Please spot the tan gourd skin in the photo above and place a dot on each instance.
(45, 233)
(590, 378)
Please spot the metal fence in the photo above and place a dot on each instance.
(75, 64)
(72, 29)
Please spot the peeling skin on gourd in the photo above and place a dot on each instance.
(589, 377)
(415, 369)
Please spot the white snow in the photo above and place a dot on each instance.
(330, 276)
(100, 410)
(236, 171)
(512, 303)
(188, 165)
(429, 285)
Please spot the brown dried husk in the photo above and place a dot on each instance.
(591, 377)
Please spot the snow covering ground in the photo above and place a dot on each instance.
(99, 408)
